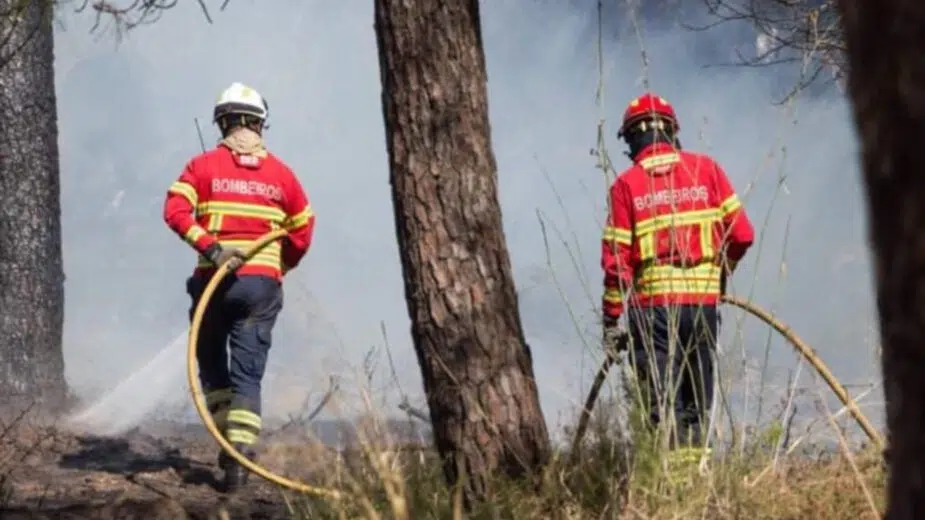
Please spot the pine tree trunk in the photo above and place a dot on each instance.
(476, 365)
(886, 81)
(31, 275)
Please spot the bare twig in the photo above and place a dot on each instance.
(406, 407)
(301, 419)
(130, 14)
(806, 32)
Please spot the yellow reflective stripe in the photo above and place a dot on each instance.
(655, 161)
(240, 209)
(681, 218)
(244, 243)
(657, 273)
(682, 455)
(256, 261)
(215, 222)
(269, 256)
(707, 251)
(186, 190)
(245, 418)
(618, 235)
(702, 287)
(661, 279)
(299, 219)
(647, 247)
(731, 204)
(219, 396)
(705, 218)
(683, 462)
(613, 295)
(194, 233)
(236, 436)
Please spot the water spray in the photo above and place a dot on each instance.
(118, 410)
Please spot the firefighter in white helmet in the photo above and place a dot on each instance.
(223, 201)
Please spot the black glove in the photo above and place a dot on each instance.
(219, 256)
(727, 268)
(615, 338)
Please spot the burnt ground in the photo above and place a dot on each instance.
(171, 474)
(163, 469)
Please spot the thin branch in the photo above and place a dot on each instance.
(128, 15)
(301, 420)
(788, 31)
(406, 407)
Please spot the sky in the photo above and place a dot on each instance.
(126, 117)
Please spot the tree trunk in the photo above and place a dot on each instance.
(31, 275)
(476, 365)
(886, 82)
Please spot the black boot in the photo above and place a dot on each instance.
(236, 475)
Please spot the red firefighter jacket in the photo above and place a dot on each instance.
(671, 217)
(233, 200)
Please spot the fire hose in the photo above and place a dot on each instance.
(199, 399)
(202, 409)
(799, 345)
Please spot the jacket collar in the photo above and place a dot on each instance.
(657, 154)
(244, 160)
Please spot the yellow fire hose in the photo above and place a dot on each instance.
(808, 354)
(199, 399)
(201, 408)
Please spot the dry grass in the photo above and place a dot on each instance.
(826, 488)
(386, 481)
(606, 483)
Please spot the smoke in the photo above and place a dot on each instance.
(126, 129)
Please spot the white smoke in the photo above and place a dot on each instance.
(126, 129)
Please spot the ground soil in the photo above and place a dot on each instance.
(160, 472)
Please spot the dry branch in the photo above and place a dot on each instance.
(128, 15)
(406, 407)
(801, 32)
(303, 419)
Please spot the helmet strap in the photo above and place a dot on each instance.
(229, 122)
(648, 132)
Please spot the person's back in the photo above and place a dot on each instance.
(239, 198)
(681, 212)
(223, 201)
(675, 230)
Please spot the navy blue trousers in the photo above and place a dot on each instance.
(681, 381)
(233, 345)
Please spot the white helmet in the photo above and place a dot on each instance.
(240, 99)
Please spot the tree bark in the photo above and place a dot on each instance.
(886, 82)
(476, 365)
(31, 274)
